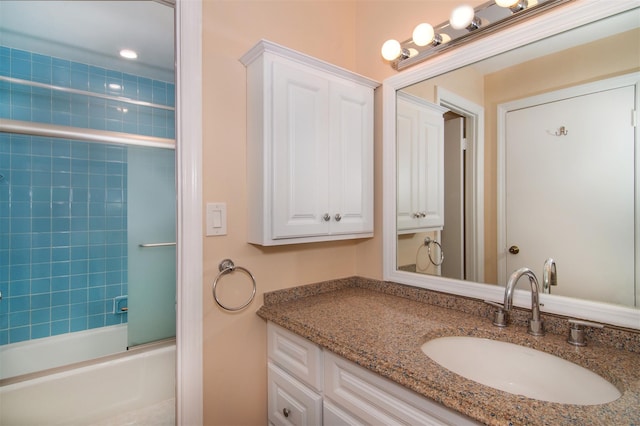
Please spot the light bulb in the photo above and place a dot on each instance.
(391, 49)
(128, 54)
(423, 34)
(461, 17)
(506, 3)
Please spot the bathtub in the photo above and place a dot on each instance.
(27, 357)
(113, 387)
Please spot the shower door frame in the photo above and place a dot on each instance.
(189, 388)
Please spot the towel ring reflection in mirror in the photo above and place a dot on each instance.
(226, 267)
(429, 243)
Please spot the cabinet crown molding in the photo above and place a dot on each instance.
(266, 46)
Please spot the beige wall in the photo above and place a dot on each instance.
(348, 34)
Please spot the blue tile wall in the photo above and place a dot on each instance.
(63, 235)
(44, 105)
(63, 209)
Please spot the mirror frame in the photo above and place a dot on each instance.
(563, 18)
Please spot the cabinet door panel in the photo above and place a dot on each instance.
(431, 170)
(290, 402)
(420, 156)
(332, 415)
(351, 158)
(299, 356)
(377, 400)
(407, 180)
(300, 151)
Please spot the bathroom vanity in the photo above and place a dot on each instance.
(349, 352)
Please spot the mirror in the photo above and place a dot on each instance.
(475, 84)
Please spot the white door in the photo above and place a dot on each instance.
(453, 231)
(571, 196)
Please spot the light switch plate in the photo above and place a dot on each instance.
(216, 219)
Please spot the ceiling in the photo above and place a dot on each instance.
(94, 32)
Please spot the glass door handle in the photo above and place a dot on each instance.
(149, 245)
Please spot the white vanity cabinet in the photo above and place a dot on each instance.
(420, 158)
(294, 377)
(309, 149)
(311, 386)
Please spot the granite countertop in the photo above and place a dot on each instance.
(381, 326)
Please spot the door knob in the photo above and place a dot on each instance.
(337, 217)
(514, 249)
(326, 217)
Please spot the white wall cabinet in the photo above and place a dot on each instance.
(309, 149)
(420, 156)
(311, 386)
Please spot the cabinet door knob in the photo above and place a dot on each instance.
(337, 217)
(416, 215)
(326, 217)
(423, 214)
(286, 412)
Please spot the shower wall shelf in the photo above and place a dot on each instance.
(121, 304)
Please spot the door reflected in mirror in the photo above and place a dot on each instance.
(532, 159)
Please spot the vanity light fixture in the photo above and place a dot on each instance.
(465, 24)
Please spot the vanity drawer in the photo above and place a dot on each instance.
(377, 400)
(332, 415)
(296, 355)
(290, 402)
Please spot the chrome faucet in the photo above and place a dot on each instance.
(549, 275)
(535, 323)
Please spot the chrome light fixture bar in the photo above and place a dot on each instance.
(465, 25)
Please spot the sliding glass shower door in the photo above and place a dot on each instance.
(151, 247)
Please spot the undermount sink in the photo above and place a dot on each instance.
(520, 370)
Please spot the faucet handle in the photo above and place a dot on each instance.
(576, 331)
(499, 316)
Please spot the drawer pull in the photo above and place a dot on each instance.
(286, 412)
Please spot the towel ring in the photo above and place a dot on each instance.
(226, 267)
(428, 242)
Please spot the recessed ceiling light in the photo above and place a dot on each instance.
(128, 54)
